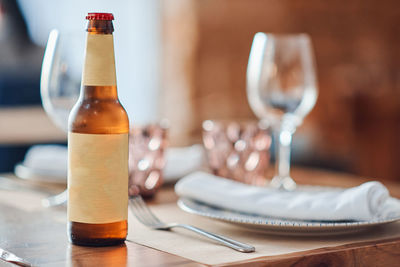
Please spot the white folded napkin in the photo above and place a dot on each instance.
(47, 157)
(369, 201)
(181, 161)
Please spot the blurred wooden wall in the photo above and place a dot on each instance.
(356, 121)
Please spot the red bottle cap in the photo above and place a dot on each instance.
(100, 16)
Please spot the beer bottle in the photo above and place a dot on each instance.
(98, 146)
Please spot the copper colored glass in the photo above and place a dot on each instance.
(146, 158)
(239, 151)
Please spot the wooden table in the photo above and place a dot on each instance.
(40, 237)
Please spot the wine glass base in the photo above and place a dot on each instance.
(284, 183)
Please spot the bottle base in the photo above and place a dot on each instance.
(96, 242)
(97, 235)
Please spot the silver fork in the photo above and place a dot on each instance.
(10, 257)
(55, 200)
(147, 217)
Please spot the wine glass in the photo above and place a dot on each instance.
(282, 90)
(60, 85)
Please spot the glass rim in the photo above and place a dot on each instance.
(284, 36)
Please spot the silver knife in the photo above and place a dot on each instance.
(10, 257)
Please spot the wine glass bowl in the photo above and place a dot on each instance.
(281, 89)
(60, 77)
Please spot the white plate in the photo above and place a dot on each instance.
(278, 226)
(40, 175)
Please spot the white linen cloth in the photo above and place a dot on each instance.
(181, 161)
(369, 201)
(47, 157)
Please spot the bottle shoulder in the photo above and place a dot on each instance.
(98, 117)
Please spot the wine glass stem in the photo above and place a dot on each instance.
(283, 145)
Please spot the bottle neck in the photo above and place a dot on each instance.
(100, 27)
(99, 92)
(98, 76)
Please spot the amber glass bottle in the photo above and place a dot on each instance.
(98, 146)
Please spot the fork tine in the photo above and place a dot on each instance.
(147, 210)
(142, 212)
(139, 212)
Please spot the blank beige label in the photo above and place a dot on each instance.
(97, 177)
(99, 66)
